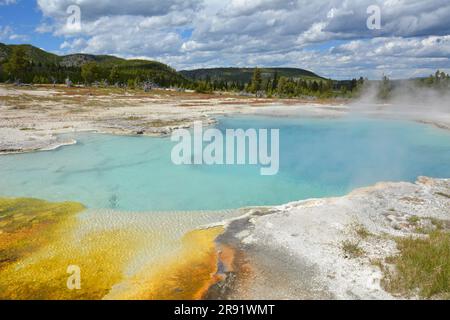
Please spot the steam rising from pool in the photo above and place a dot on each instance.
(407, 100)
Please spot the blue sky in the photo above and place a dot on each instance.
(329, 37)
(23, 17)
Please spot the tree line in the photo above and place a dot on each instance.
(285, 87)
(439, 81)
(20, 68)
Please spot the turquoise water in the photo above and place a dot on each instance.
(318, 158)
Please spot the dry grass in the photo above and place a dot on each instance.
(427, 225)
(414, 220)
(159, 123)
(362, 232)
(422, 266)
(352, 249)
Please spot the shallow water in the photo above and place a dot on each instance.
(318, 158)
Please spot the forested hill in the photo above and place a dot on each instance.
(31, 64)
(244, 75)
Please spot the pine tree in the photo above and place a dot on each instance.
(256, 84)
(90, 72)
(275, 81)
(114, 76)
(17, 65)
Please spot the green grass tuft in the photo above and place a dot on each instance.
(352, 249)
(423, 265)
(362, 232)
(414, 220)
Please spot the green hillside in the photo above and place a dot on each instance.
(33, 53)
(244, 75)
(44, 67)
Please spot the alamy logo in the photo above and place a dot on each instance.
(374, 20)
(74, 19)
(236, 146)
(74, 280)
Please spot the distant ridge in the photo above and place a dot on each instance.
(244, 75)
(51, 65)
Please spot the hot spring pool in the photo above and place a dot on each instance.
(318, 158)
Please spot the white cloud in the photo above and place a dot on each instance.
(94, 9)
(18, 37)
(7, 33)
(7, 2)
(188, 34)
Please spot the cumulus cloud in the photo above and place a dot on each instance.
(399, 18)
(429, 47)
(328, 36)
(7, 33)
(94, 9)
(7, 2)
